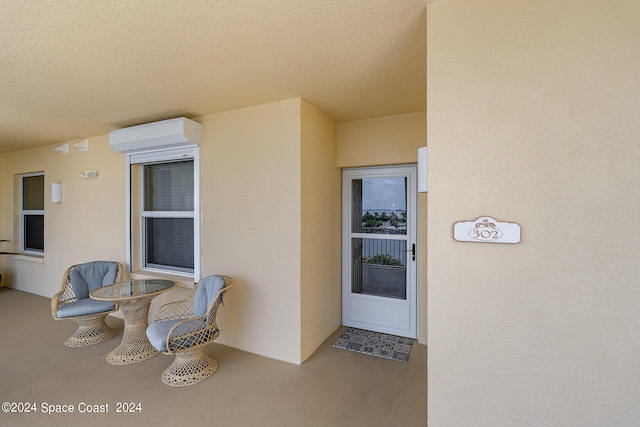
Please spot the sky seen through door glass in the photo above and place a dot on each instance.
(383, 194)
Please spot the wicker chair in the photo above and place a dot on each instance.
(185, 327)
(73, 302)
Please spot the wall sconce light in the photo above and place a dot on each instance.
(56, 192)
(62, 149)
(422, 169)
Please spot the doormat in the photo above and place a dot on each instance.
(375, 344)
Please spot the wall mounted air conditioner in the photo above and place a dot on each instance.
(172, 133)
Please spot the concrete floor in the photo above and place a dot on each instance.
(333, 387)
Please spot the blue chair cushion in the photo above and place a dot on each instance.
(207, 290)
(157, 333)
(88, 277)
(84, 307)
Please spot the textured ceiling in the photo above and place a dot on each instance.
(77, 68)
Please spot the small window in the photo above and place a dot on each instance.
(32, 213)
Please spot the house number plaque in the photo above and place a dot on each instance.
(486, 230)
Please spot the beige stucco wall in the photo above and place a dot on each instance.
(251, 224)
(3, 234)
(391, 140)
(89, 224)
(382, 141)
(532, 117)
(321, 230)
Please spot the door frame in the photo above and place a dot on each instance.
(351, 313)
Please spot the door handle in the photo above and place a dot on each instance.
(413, 252)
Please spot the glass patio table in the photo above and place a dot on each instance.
(134, 298)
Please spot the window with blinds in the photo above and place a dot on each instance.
(32, 213)
(167, 216)
(163, 201)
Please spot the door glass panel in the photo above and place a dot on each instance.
(380, 205)
(384, 268)
(379, 265)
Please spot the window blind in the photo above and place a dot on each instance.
(169, 186)
(33, 193)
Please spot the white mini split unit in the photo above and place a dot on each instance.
(172, 133)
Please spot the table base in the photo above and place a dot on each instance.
(135, 346)
(128, 354)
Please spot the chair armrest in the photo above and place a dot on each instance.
(61, 299)
(64, 296)
(54, 304)
(175, 310)
(190, 333)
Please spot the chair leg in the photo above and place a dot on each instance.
(189, 367)
(92, 330)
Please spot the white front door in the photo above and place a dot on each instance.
(379, 286)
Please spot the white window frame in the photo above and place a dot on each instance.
(25, 212)
(164, 156)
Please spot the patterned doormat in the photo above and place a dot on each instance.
(375, 344)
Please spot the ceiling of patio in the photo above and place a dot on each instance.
(72, 69)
